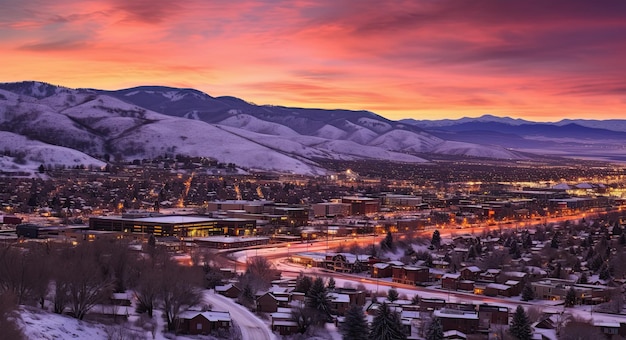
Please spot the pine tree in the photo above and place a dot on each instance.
(41, 169)
(331, 284)
(387, 243)
(386, 325)
(520, 325)
(392, 295)
(436, 240)
(317, 300)
(570, 297)
(435, 330)
(555, 241)
(528, 293)
(583, 279)
(303, 283)
(415, 300)
(355, 325)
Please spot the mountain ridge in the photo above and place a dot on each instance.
(152, 121)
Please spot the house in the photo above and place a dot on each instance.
(495, 289)
(470, 273)
(380, 270)
(516, 287)
(229, 290)
(450, 281)
(285, 327)
(491, 275)
(492, 315)
(411, 321)
(430, 304)
(346, 263)
(339, 303)
(195, 322)
(462, 321)
(115, 312)
(466, 285)
(282, 322)
(410, 275)
(608, 328)
(269, 303)
(357, 297)
(120, 299)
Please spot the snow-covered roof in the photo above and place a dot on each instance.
(498, 286)
(473, 269)
(209, 315)
(451, 276)
(454, 314)
(455, 333)
(341, 298)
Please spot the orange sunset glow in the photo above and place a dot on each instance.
(428, 59)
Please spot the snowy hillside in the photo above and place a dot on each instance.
(75, 126)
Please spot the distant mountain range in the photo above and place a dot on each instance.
(46, 124)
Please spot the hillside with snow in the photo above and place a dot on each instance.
(54, 126)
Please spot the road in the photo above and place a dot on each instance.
(250, 325)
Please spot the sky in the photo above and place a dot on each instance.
(426, 59)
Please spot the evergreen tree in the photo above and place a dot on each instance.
(435, 330)
(386, 325)
(355, 325)
(583, 279)
(303, 283)
(392, 295)
(317, 300)
(617, 230)
(555, 241)
(528, 293)
(528, 242)
(471, 252)
(387, 243)
(331, 284)
(415, 300)
(436, 240)
(520, 325)
(570, 297)
(41, 169)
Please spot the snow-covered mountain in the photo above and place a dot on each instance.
(591, 139)
(54, 125)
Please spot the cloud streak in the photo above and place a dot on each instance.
(422, 59)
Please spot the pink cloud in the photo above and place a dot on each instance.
(444, 58)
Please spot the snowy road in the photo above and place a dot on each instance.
(251, 326)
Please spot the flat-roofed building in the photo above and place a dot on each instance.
(174, 225)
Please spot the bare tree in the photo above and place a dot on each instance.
(147, 289)
(260, 273)
(181, 293)
(24, 273)
(80, 281)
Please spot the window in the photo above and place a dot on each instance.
(199, 326)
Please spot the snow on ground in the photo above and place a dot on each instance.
(37, 324)
(251, 326)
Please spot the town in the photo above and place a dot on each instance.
(447, 251)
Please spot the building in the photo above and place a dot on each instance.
(227, 242)
(410, 275)
(462, 321)
(174, 225)
(361, 205)
(331, 209)
(191, 322)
